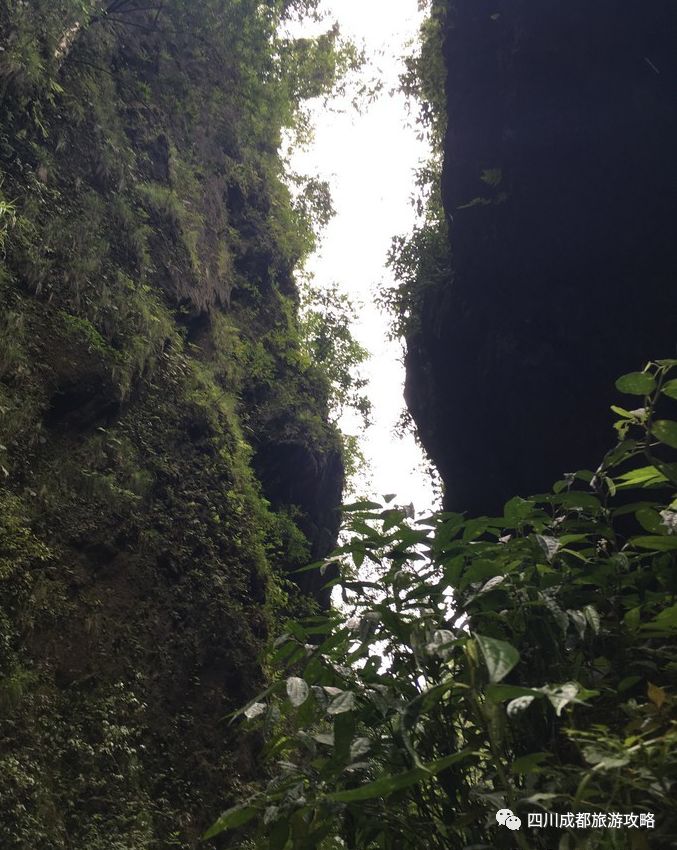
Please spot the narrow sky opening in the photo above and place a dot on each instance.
(369, 161)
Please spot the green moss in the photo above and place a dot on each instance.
(149, 348)
(84, 332)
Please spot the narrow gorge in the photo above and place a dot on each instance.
(170, 460)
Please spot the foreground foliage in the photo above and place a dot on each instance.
(523, 661)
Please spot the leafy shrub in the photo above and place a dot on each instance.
(328, 340)
(421, 260)
(522, 661)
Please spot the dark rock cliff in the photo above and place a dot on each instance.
(560, 189)
(165, 453)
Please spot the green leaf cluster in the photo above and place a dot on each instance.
(522, 661)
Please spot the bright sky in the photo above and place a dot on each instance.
(368, 160)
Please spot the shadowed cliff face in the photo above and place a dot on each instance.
(152, 389)
(292, 473)
(560, 188)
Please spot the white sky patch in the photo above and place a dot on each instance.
(369, 160)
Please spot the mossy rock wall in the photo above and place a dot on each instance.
(151, 386)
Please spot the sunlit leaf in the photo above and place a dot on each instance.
(518, 705)
(231, 819)
(667, 543)
(656, 695)
(359, 748)
(499, 656)
(604, 760)
(343, 702)
(255, 710)
(562, 695)
(549, 545)
(592, 617)
(297, 690)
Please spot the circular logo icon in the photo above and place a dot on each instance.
(505, 817)
(513, 822)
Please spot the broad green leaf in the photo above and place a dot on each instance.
(562, 695)
(579, 621)
(665, 621)
(474, 528)
(549, 545)
(566, 539)
(269, 690)
(539, 798)
(344, 732)
(577, 499)
(621, 411)
(529, 764)
(632, 618)
(499, 656)
(297, 690)
(315, 566)
(636, 383)
(270, 815)
(363, 505)
(439, 765)
(490, 585)
(668, 543)
(326, 738)
(669, 470)
(666, 431)
(391, 518)
(670, 388)
(343, 702)
(621, 452)
(231, 819)
(517, 510)
(645, 476)
(480, 569)
(359, 747)
(278, 835)
(656, 695)
(498, 693)
(650, 520)
(386, 785)
(602, 760)
(642, 474)
(441, 642)
(379, 787)
(628, 682)
(592, 617)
